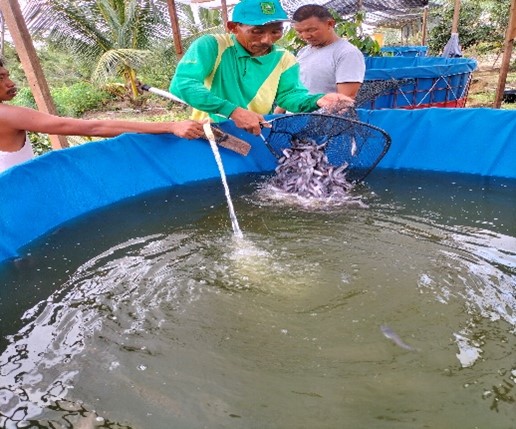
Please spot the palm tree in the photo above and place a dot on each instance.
(116, 36)
(197, 22)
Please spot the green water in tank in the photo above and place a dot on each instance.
(150, 314)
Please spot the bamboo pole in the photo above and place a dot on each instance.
(455, 23)
(30, 63)
(2, 35)
(176, 34)
(224, 12)
(359, 9)
(424, 26)
(508, 46)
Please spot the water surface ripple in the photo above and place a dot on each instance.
(287, 327)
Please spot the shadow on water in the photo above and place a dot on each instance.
(150, 314)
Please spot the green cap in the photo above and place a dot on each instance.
(258, 12)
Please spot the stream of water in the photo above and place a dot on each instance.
(232, 215)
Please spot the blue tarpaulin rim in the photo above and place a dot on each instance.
(40, 195)
(418, 48)
(383, 68)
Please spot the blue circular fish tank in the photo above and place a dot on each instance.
(419, 82)
(127, 302)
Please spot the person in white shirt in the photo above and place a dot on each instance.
(15, 121)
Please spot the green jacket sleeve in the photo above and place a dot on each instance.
(292, 95)
(188, 81)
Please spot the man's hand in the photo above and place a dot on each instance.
(247, 120)
(335, 102)
(187, 129)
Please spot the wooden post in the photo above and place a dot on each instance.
(224, 13)
(30, 62)
(504, 69)
(176, 34)
(2, 35)
(455, 23)
(424, 25)
(359, 9)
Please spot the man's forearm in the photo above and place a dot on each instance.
(349, 88)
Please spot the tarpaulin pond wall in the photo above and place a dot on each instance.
(42, 194)
(432, 81)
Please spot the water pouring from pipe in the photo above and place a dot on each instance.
(234, 221)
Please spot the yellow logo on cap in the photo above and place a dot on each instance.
(268, 8)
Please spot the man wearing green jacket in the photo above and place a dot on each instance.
(240, 75)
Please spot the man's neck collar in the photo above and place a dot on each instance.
(331, 41)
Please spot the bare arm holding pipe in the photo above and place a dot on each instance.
(16, 120)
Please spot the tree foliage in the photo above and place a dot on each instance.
(194, 23)
(197, 22)
(350, 29)
(482, 24)
(118, 37)
(115, 36)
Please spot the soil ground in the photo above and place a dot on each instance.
(484, 82)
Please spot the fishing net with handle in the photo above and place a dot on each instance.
(346, 141)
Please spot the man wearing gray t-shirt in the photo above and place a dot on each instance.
(328, 63)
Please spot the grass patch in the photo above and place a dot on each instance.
(484, 83)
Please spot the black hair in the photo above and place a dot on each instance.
(1, 62)
(311, 10)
